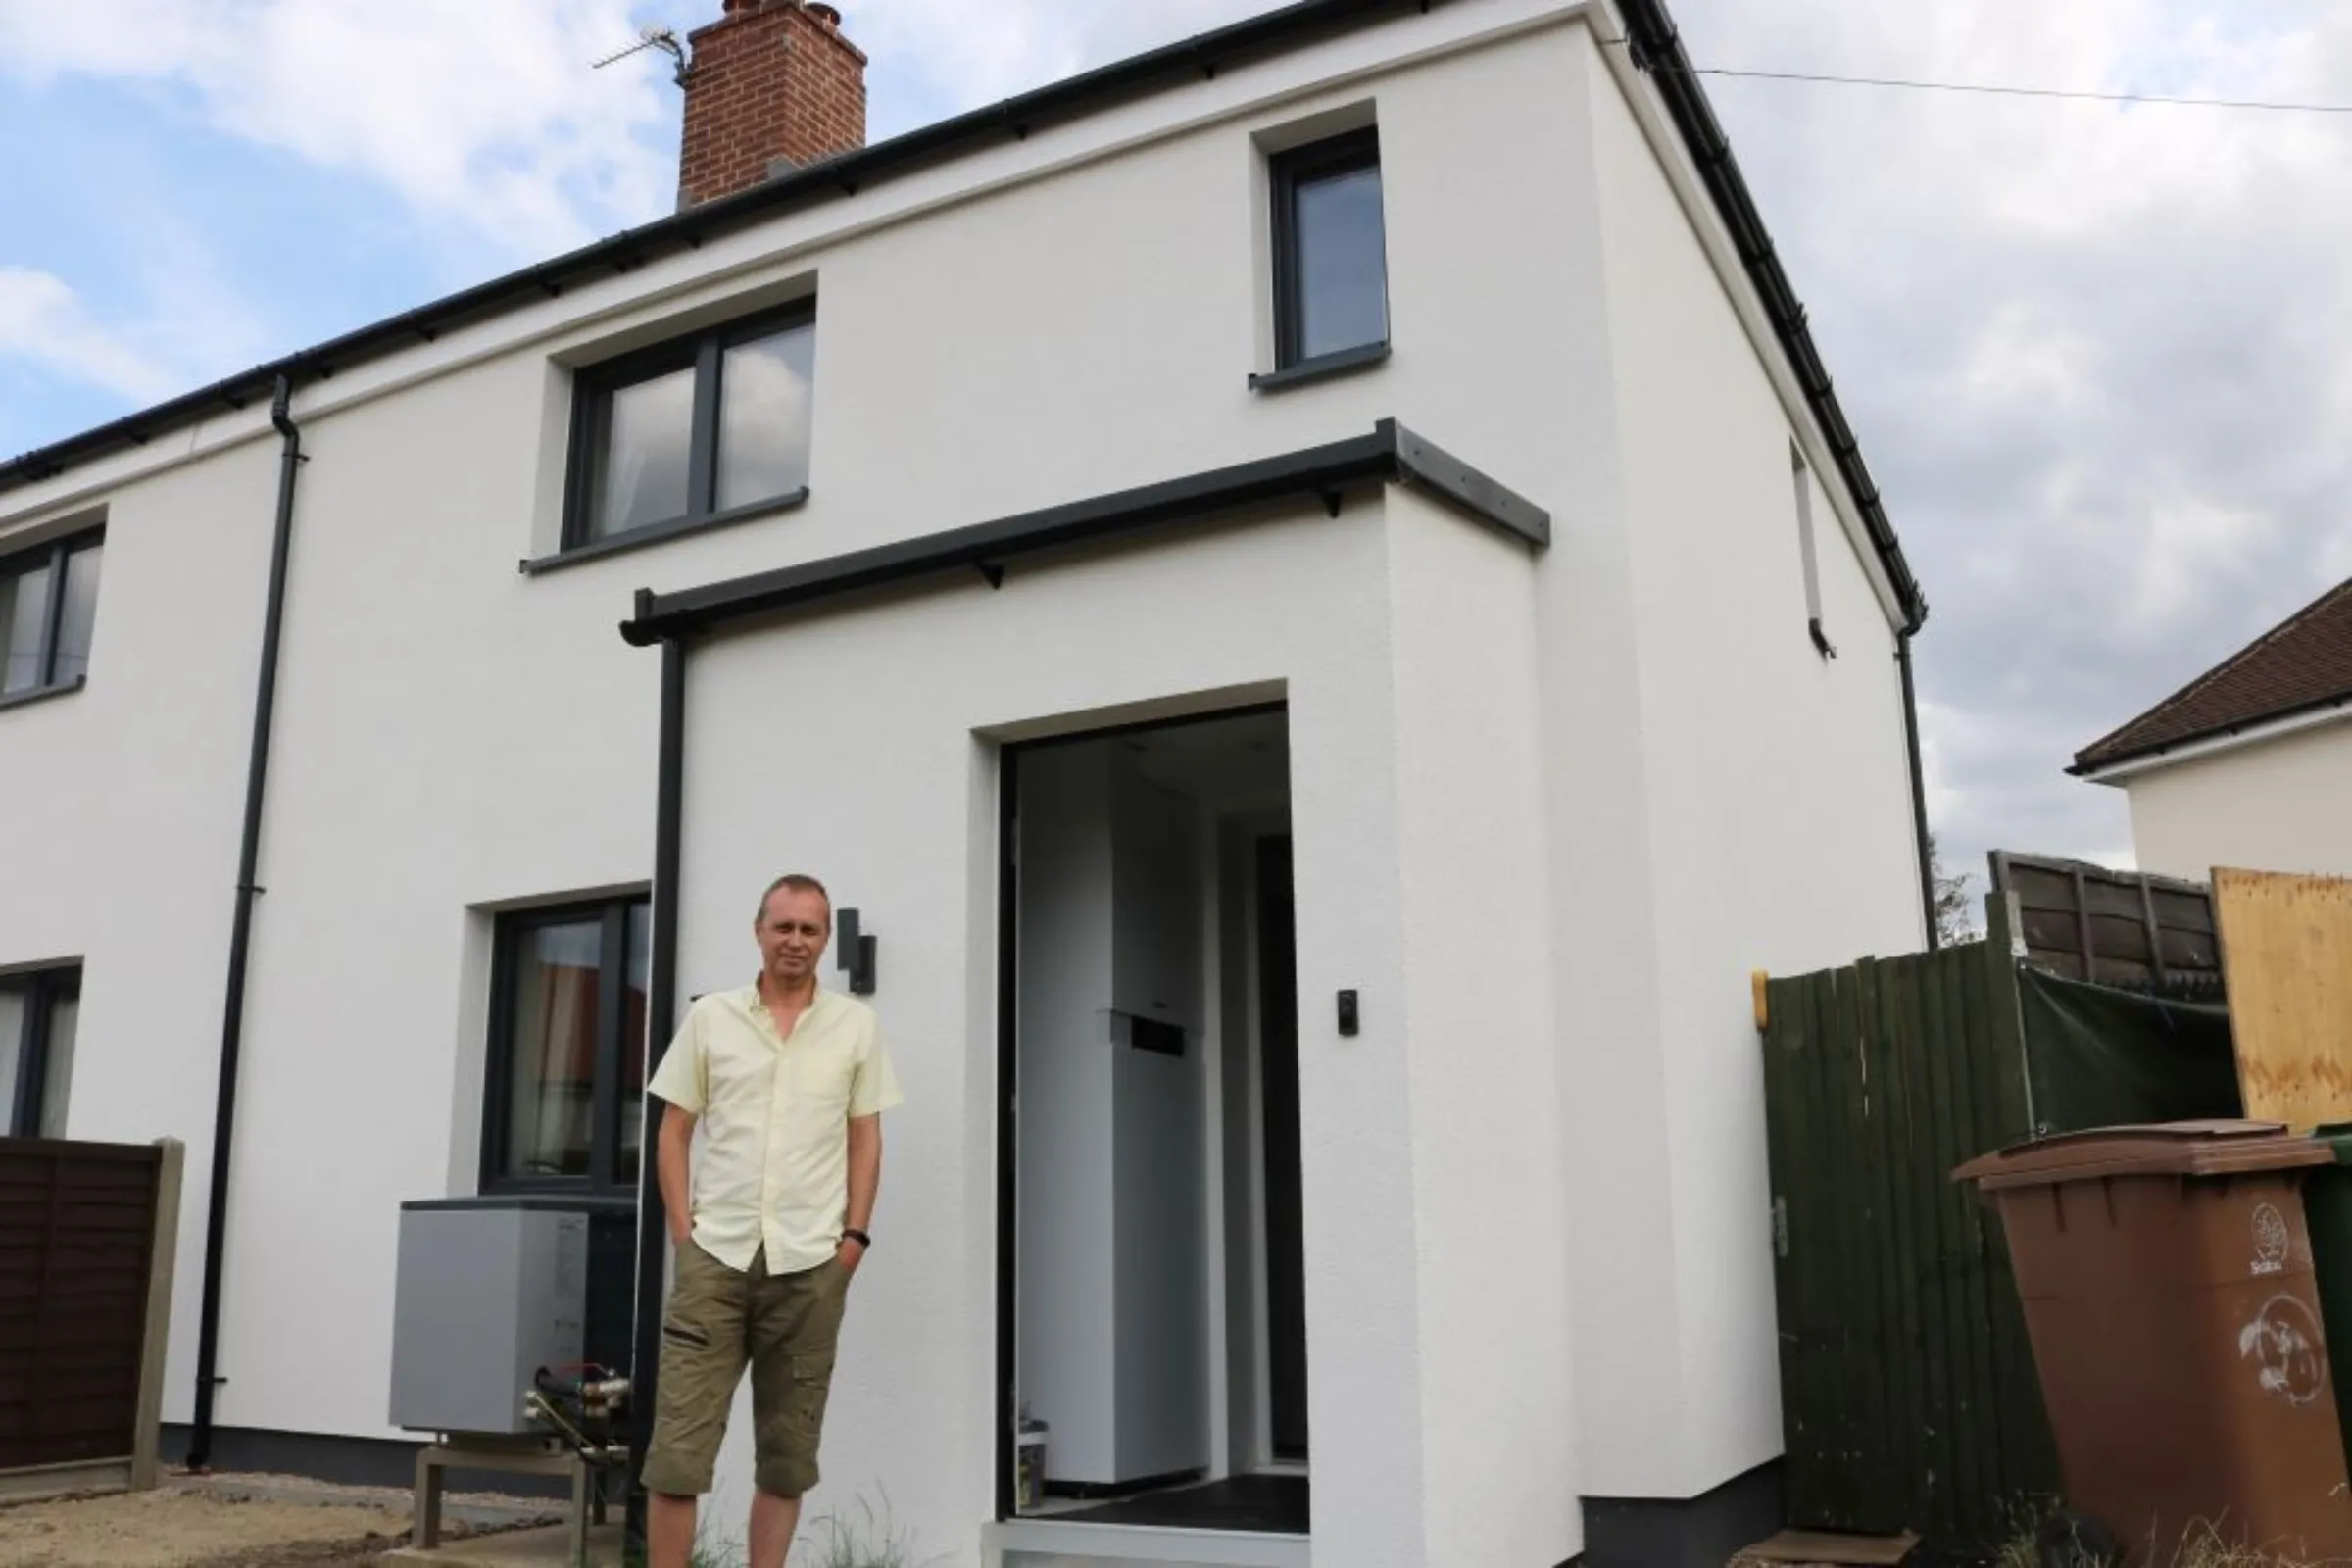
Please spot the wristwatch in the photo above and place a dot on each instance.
(857, 1236)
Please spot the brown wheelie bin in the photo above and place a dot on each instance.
(2168, 1289)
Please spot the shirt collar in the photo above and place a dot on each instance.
(755, 1002)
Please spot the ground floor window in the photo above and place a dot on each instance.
(38, 1016)
(566, 1094)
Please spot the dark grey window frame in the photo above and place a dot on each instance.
(1344, 154)
(43, 990)
(498, 1100)
(593, 389)
(57, 551)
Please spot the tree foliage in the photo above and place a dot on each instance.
(1955, 908)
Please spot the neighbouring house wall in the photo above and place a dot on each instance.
(2282, 805)
(1498, 1430)
(903, 816)
(1778, 816)
(118, 834)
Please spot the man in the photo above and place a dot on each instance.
(789, 1083)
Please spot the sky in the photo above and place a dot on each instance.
(2094, 352)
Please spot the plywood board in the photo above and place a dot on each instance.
(2286, 954)
(1830, 1552)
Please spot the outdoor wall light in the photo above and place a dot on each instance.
(856, 952)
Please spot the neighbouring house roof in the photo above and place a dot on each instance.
(1656, 48)
(2300, 667)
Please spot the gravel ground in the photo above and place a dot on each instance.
(194, 1525)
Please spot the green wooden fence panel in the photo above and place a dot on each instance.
(1907, 1384)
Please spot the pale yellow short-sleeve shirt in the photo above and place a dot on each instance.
(774, 1169)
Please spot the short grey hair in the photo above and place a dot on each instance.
(798, 883)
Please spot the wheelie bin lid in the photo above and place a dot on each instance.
(2164, 1149)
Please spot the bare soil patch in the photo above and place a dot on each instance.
(182, 1527)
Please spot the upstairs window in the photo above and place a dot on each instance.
(38, 1016)
(567, 1087)
(698, 430)
(48, 605)
(1331, 268)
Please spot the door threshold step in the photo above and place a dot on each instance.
(1055, 1544)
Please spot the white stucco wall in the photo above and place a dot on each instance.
(118, 836)
(1756, 815)
(2273, 806)
(1497, 1431)
(1055, 319)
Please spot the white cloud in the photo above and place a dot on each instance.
(43, 322)
(966, 53)
(487, 114)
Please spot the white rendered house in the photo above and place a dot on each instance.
(1308, 587)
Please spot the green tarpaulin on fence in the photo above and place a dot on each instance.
(2100, 1057)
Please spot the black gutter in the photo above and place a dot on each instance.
(1919, 786)
(1190, 61)
(1391, 455)
(660, 1013)
(240, 940)
(1658, 50)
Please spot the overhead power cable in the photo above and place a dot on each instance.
(2004, 91)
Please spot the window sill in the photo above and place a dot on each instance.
(41, 693)
(660, 533)
(1322, 368)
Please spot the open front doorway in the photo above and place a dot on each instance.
(1155, 1343)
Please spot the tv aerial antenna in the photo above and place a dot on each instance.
(653, 35)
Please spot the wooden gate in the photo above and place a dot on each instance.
(1907, 1382)
(86, 1240)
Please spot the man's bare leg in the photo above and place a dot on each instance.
(774, 1519)
(669, 1530)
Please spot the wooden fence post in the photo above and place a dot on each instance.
(163, 1250)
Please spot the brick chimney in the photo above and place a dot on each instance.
(770, 86)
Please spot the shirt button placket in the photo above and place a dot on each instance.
(772, 1180)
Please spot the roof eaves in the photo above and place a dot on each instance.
(1657, 49)
(2273, 725)
(2119, 746)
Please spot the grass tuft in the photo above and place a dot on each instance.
(2046, 1542)
(870, 1540)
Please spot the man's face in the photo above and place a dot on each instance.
(792, 932)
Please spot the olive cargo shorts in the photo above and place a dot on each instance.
(785, 1326)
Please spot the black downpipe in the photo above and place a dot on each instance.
(1918, 784)
(240, 939)
(661, 1013)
